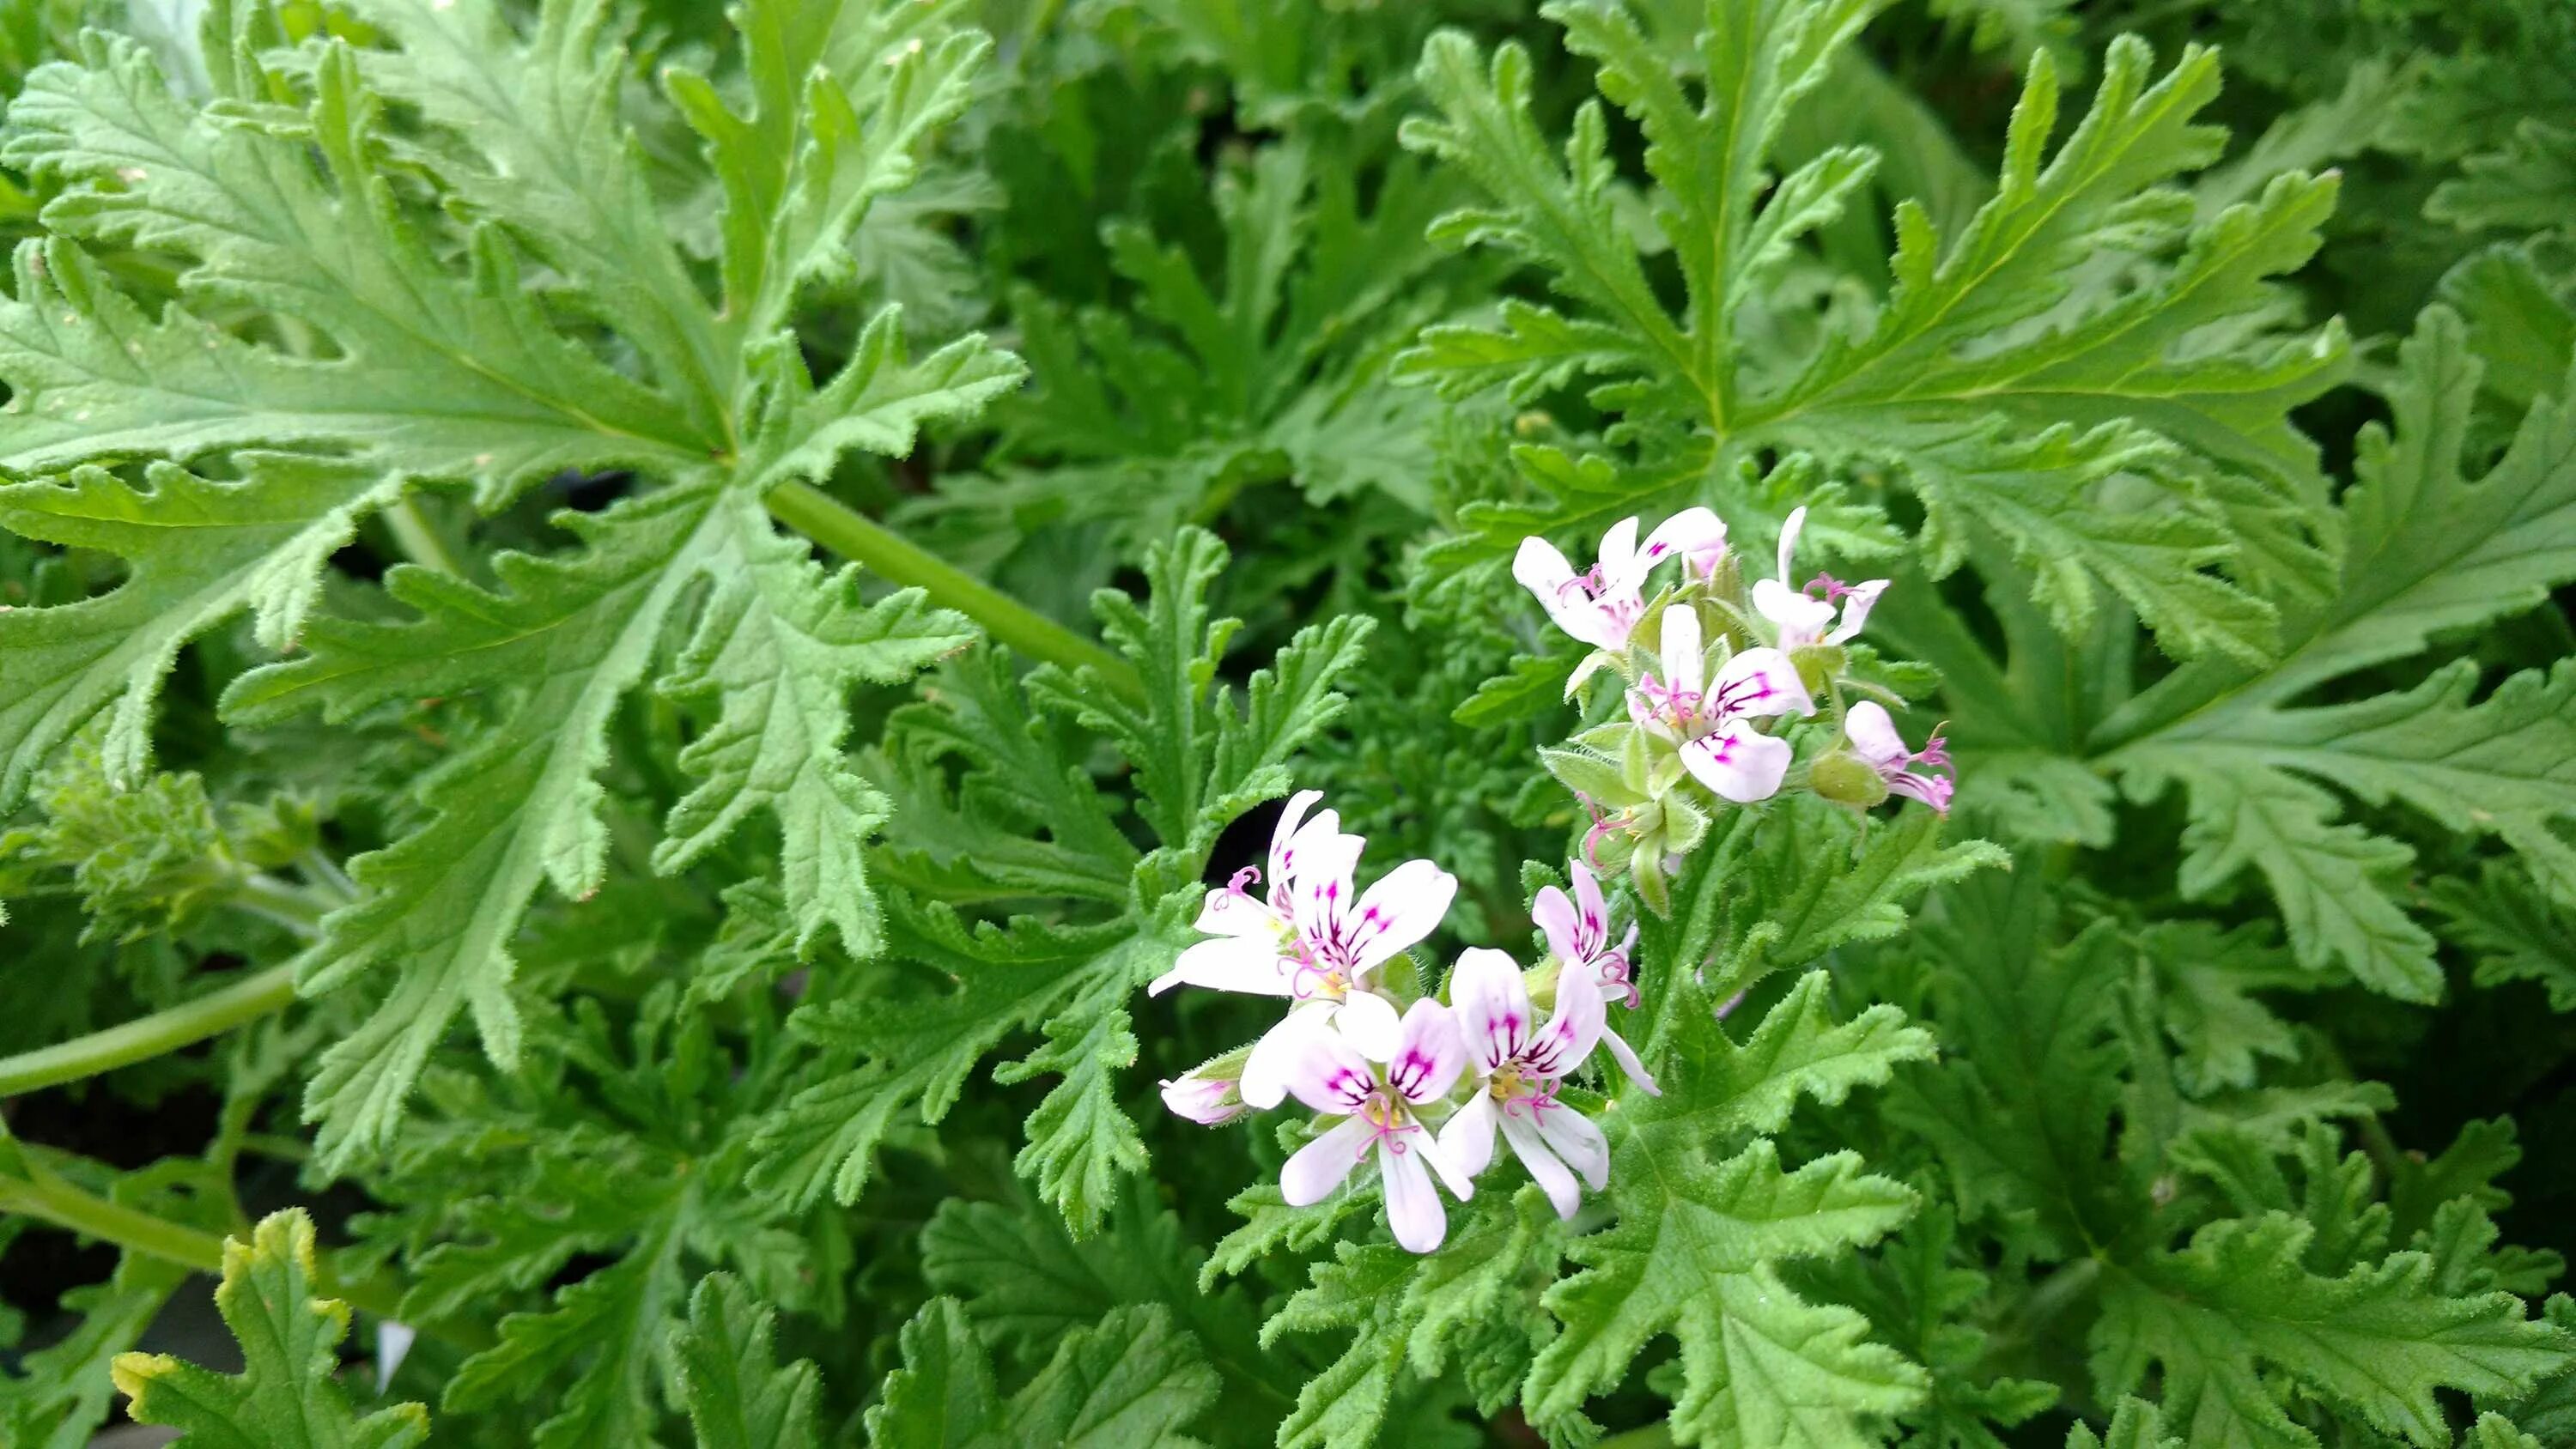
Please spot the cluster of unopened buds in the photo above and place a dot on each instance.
(1421, 1083)
(1711, 703)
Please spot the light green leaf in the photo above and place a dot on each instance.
(779, 645)
(1132, 1379)
(737, 1395)
(285, 1394)
(2377, 1342)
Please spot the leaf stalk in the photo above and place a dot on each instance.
(864, 541)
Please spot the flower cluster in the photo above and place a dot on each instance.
(1731, 669)
(1418, 1084)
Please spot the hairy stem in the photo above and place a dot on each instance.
(48, 1198)
(147, 1037)
(862, 540)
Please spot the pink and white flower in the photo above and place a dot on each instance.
(1802, 617)
(1874, 739)
(1714, 725)
(1379, 1111)
(1520, 1063)
(1601, 607)
(1578, 932)
(1314, 940)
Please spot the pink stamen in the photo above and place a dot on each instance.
(1834, 588)
(1538, 1102)
(1616, 972)
(1249, 875)
(1387, 1125)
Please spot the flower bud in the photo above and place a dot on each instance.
(1847, 779)
(1210, 1093)
(1208, 1101)
(1819, 664)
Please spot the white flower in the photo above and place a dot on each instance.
(1714, 727)
(1519, 1065)
(1874, 738)
(1578, 931)
(1314, 940)
(1802, 618)
(1377, 1108)
(1601, 607)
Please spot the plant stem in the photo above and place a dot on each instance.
(147, 1037)
(855, 536)
(1653, 1436)
(48, 1198)
(418, 541)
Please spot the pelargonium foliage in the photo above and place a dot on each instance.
(990, 722)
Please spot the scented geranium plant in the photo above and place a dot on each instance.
(1245, 722)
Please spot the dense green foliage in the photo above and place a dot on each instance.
(629, 631)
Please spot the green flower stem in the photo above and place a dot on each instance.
(147, 1037)
(48, 1198)
(862, 540)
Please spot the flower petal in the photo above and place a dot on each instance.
(1249, 964)
(1578, 1140)
(1874, 738)
(1545, 573)
(1461, 1184)
(1321, 896)
(1619, 555)
(1932, 790)
(1323, 1164)
(1803, 618)
(1738, 763)
(1429, 1055)
(1858, 600)
(1789, 531)
(1367, 1021)
(1544, 1169)
(1595, 920)
(1561, 923)
(1412, 1207)
(1230, 912)
(1572, 1028)
(1757, 684)
(1291, 820)
(1468, 1138)
(1681, 650)
(1494, 1013)
(1626, 1056)
(1695, 533)
(1300, 1048)
(1402, 908)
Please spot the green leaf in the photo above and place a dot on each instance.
(2515, 932)
(1026, 1281)
(290, 1337)
(1693, 1255)
(197, 553)
(737, 1395)
(2135, 1424)
(1132, 1379)
(2035, 378)
(517, 807)
(2378, 1341)
(2427, 549)
(437, 375)
(779, 644)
